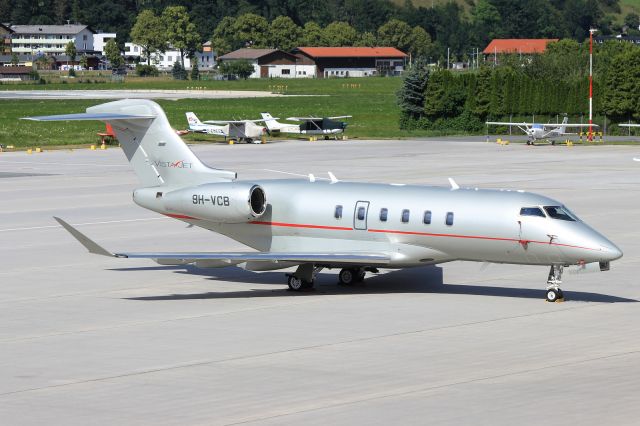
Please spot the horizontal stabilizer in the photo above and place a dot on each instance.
(212, 259)
(86, 117)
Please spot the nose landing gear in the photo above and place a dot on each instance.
(554, 293)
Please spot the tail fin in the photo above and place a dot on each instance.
(193, 119)
(270, 122)
(563, 129)
(156, 152)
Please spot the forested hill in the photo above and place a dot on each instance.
(460, 25)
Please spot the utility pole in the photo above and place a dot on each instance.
(448, 51)
(590, 136)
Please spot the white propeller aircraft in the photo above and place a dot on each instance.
(313, 224)
(310, 125)
(243, 130)
(536, 131)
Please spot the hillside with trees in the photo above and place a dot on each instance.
(458, 25)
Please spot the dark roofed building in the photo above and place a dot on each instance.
(5, 39)
(354, 61)
(15, 73)
(266, 62)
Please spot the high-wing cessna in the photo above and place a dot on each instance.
(243, 130)
(536, 131)
(313, 224)
(310, 125)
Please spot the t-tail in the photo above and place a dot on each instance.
(158, 155)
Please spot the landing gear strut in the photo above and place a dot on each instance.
(554, 293)
(304, 277)
(348, 276)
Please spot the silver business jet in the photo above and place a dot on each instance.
(313, 224)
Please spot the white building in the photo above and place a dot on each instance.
(51, 39)
(164, 61)
(272, 63)
(100, 40)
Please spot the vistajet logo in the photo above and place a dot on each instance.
(180, 164)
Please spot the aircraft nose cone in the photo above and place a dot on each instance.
(611, 252)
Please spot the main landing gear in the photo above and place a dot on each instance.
(554, 293)
(304, 277)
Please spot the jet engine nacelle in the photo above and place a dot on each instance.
(227, 202)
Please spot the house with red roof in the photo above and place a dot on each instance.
(518, 46)
(353, 61)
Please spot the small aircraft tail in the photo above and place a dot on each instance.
(563, 129)
(158, 155)
(272, 124)
(192, 119)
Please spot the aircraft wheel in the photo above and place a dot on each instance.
(360, 275)
(326, 138)
(248, 140)
(528, 142)
(348, 276)
(554, 295)
(298, 284)
(553, 142)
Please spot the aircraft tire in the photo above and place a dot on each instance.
(360, 275)
(298, 284)
(554, 295)
(347, 276)
(248, 140)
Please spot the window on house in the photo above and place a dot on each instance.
(338, 212)
(286, 71)
(449, 220)
(427, 217)
(405, 216)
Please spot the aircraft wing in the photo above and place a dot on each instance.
(504, 123)
(629, 125)
(340, 116)
(574, 126)
(213, 259)
(233, 121)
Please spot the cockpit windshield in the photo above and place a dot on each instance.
(531, 211)
(560, 212)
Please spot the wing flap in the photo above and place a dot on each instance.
(213, 259)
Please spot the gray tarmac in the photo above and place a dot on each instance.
(135, 94)
(86, 339)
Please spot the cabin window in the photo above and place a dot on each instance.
(405, 216)
(361, 211)
(338, 212)
(427, 217)
(560, 212)
(449, 220)
(383, 215)
(531, 211)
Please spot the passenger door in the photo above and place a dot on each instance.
(360, 214)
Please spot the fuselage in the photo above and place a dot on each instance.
(417, 224)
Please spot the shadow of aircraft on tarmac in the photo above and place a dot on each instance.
(428, 279)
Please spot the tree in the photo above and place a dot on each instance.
(367, 39)
(420, 43)
(112, 52)
(195, 72)
(340, 34)
(251, 30)
(178, 71)
(395, 33)
(149, 33)
(241, 68)
(312, 35)
(284, 33)
(14, 59)
(71, 52)
(84, 62)
(223, 37)
(632, 20)
(411, 95)
(181, 32)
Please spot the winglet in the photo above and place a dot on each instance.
(332, 177)
(454, 185)
(84, 240)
